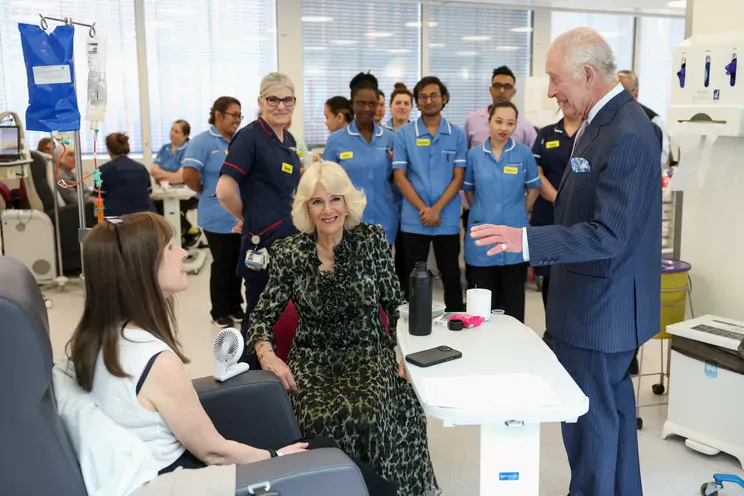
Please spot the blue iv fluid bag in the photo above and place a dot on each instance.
(52, 102)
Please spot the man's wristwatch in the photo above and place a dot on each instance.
(274, 453)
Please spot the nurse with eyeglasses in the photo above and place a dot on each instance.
(259, 176)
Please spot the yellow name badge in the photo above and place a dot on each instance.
(511, 170)
(287, 168)
(553, 144)
(346, 155)
(423, 142)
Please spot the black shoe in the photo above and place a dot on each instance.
(223, 322)
(238, 316)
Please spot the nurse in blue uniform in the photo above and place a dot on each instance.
(167, 164)
(365, 151)
(497, 174)
(201, 171)
(552, 152)
(259, 177)
(429, 159)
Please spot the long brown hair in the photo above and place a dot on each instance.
(121, 259)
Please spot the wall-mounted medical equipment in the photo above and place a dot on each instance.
(707, 97)
(707, 101)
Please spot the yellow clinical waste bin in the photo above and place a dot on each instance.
(674, 287)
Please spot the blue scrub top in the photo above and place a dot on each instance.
(430, 162)
(370, 168)
(499, 196)
(267, 172)
(206, 153)
(168, 160)
(552, 151)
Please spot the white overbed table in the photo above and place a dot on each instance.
(172, 198)
(508, 382)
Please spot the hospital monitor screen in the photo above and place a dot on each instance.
(10, 143)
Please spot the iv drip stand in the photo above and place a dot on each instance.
(83, 230)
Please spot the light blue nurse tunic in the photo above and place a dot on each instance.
(499, 195)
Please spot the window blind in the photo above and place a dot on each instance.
(617, 30)
(201, 50)
(467, 43)
(113, 18)
(341, 38)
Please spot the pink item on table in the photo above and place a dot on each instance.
(468, 321)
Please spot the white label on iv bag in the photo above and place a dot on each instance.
(52, 74)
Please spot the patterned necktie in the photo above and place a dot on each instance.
(579, 133)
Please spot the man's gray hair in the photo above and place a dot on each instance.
(276, 81)
(630, 75)
(584, 46)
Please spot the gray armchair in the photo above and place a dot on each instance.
(39, 459)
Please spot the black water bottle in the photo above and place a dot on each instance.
(419, 304)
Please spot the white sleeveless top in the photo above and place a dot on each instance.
(117, 397)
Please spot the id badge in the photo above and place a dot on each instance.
(257, 259)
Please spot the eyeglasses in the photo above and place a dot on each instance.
(500, 86)
(434, 97)
(115, 221)
(274, 101)
(235, 115)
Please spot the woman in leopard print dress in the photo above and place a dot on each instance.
(342, 368)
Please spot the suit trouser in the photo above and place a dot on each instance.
(447, 253)
(506, 283)
(224, 285)
(602, 446)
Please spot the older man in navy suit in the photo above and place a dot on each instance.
(606, 247)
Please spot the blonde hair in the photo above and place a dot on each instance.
(585, 46)
(276, 81)
(333, 178)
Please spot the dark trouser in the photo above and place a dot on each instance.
(376, 485)
(447, 253)
(602, 446)
(465, 216)
(224, 285)
(545, 288)
(255, 283)
(400, 263)
(506, 283)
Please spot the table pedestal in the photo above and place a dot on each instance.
(510, 459)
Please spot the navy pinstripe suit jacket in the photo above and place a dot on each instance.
(606, 241)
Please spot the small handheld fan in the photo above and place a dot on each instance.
(228, 348)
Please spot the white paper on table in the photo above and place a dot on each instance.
(489, 391)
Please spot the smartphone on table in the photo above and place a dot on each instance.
(433, 356)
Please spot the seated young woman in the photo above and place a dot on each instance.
(342, 371)
(127, 354)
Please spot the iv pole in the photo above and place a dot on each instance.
(83, 230)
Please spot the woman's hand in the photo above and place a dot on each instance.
(238, 227)
(402, 372)
(293, 448)
(269, 361)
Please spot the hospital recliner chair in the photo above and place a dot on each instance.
(38, 457)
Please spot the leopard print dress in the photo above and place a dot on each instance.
(342, 358)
